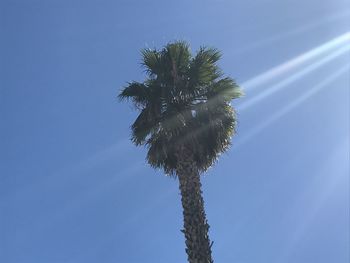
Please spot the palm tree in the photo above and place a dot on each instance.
(186, 121)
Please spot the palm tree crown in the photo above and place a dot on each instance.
(185, 101)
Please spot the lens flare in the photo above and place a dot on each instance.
(296, 31)
(303, 58)
(296, 76)
(293, 105)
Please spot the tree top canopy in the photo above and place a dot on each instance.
(184, 102)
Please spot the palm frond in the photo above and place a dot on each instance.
(152, 61)
(142, 126)
(203, 69)
(226, 88)
(137, 92)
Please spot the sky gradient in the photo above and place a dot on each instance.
(73, 188)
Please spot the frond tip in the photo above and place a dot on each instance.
(137, 92)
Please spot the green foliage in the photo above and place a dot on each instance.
(184, 101)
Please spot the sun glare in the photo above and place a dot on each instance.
(257, 81)
(299, 74)
(292, 105)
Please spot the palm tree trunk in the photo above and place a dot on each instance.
(198, 247)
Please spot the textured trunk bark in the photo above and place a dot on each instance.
(198, 246)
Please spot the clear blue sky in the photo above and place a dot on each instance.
(73, 189)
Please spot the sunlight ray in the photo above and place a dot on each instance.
(308, 94)
(290, 64)
(307, 56)
(296, 31)
(292, 78)
(278, 86)
(333, 77)
(281, 84)
(70, 173)
(332, 174)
